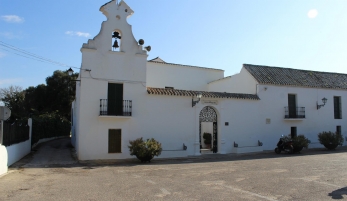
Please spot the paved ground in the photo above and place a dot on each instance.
(312, 175)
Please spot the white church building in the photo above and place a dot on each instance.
(122, 96)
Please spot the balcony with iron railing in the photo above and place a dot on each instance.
(115, 108)
(295, 113)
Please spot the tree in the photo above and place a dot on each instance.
(60, 92)
(35, 100)
(54, 97)
(13, 98)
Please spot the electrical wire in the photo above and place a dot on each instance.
(30, 55)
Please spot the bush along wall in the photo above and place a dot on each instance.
(48, 126)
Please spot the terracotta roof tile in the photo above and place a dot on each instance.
(208, 94)
(295, 77)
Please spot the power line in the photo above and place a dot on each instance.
(30, 55)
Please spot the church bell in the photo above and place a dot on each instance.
(115, 44)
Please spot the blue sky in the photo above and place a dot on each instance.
(221, 34)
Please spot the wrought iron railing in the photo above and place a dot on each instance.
(124, 109)
(295, 113)
(14, 133)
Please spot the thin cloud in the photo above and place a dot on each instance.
(12, 18)
(77, 33)
(10, 81)
(312, 13)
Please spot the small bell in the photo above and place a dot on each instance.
(115, 44)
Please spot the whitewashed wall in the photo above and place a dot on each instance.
(169, 119)
(13, 153)
(275, 98)
(172, 121)
(242, 82)
(3, 160)
(180, 77)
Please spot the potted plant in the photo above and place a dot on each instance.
(330, 140)
(145, 150)
(207, 139)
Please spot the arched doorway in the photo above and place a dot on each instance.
(208, 114)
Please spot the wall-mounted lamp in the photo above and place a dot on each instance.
(70, 72)
(199, 95)
(265, 88)
(324, 101)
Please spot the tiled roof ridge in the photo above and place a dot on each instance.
(184, 65)
(220, 79)
(302, 70)
(206, 94)
(297, 77)
(156, 60)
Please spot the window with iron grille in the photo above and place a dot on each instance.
(337, 107)
(114, 141)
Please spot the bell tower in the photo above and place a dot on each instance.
(115, 34)
(114, 54)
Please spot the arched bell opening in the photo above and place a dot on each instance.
(208, 130)
(116, 40)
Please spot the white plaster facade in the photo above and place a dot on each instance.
(11, 154)
(171, 119)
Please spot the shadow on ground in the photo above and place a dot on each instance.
(59, 153)
(338, 194)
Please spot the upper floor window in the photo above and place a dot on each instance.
(115, 99)
(337, 107)
(292, 106)
(116, 40)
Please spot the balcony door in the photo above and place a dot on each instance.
(292, 105)
(115, 99)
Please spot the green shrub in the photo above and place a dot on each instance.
(207, 137)
(329, 137)
(144, 149)
(300, 141)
